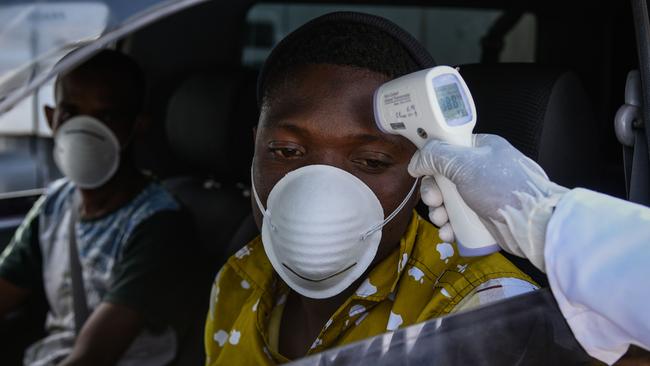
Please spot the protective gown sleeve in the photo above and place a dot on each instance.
(598, 264)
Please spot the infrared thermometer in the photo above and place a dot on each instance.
(436, 104)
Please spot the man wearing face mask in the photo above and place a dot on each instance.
(129, 234)
(342, 256)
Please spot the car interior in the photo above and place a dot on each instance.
(556, 104)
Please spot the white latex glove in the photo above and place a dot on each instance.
(509, 192)
(432, 197)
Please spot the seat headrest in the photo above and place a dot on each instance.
(543, 111)
(209, 120)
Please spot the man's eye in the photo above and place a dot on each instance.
(286, 152)
(372, 164)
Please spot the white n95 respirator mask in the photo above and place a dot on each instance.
(321, 229)
(86, 151)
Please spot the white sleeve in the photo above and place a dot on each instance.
(598, 265)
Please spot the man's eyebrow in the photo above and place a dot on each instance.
(289, 126)
(364, 137)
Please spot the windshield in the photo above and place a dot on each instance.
(36, 34)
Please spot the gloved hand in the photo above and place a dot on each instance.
(509, 192)
(432, 197)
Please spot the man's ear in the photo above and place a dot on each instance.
(49, 116)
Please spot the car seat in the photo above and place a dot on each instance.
(213, 138)
(543, 111)
(211, 135)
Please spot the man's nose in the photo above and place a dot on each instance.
(330, 157)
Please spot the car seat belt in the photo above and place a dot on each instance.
(628, 124)
(79, 304)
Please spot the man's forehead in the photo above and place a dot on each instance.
(344, 129)
(336, 122)
(105, 88)
(330, 100)
(337, 90)
(325, 78)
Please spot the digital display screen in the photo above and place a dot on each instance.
(451, 101)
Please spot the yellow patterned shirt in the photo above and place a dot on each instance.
(423, 279)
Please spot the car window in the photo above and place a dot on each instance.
(40, 32)
(524, 330)
(34, 37)
(528, 329)
(452, 35)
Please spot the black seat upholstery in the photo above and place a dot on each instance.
(208, 126)
(212, 137)
(543, 111)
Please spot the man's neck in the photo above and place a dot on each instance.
(318, 311)
(120, 189)
(303, 319)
